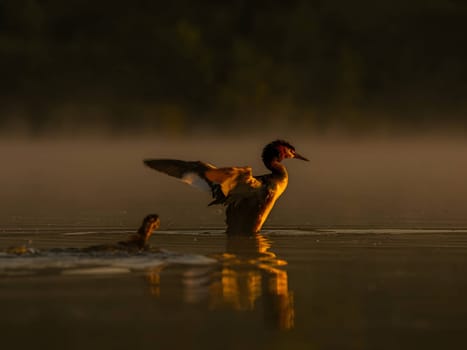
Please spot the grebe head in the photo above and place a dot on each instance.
(279, 150)
(150, 223)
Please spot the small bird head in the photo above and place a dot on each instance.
(280, 150)
(150, 223)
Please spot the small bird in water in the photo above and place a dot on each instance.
(140, 239)
(137, 241)
(249, 199)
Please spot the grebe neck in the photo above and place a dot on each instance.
(277, 168)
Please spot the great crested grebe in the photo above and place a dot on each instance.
(249, 199)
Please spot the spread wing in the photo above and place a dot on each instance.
(223, 183)
(188, 172)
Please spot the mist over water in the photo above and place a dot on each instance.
(397, 182)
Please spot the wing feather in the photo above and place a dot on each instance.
(178, 168)
(189, 172)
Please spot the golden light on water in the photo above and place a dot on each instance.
(253, 276)
(249, 277)
(153, 278)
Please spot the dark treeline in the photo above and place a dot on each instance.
(165, 63)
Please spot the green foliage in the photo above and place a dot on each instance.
(341, 60)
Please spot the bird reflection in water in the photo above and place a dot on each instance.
(248, 276)
(153, 277)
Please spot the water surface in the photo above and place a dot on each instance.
(287, 289)
(378, 281)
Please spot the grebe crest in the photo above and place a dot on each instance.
(279, 150)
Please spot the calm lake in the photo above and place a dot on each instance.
(286, 289)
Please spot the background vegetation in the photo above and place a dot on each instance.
(175, 64)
